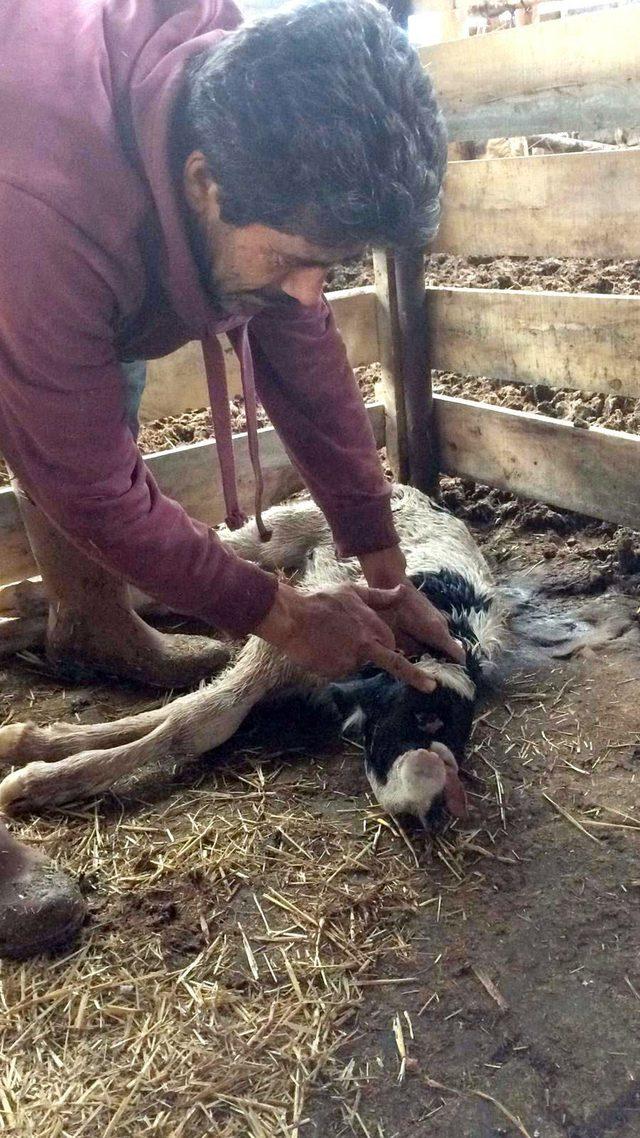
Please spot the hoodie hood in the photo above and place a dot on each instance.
(154, 86)
(86, 94)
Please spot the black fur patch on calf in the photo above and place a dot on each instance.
(397, 718)
(456, 598)
(392, 717)
(294, 720)
(450, 592)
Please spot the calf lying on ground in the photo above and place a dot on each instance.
(412, 741)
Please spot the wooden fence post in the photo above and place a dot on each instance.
(391, 390)
(416, 370)
(404, 346)
(405, 390)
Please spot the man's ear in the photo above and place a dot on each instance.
(200, 189)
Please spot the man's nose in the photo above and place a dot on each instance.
(305, 285)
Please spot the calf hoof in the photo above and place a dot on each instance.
(33, 786)
(15, 740)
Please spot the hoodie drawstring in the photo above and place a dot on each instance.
(219, 400)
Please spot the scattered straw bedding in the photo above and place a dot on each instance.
(253, 922)
(235, 931)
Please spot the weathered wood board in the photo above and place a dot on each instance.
(190, 475)
(559, 205)
(177, 382)
(581, 74)
(387, 344)
(583, 341)
(594, 472)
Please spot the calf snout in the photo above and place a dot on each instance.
(433, 774)
(455, 798)
(420, 779)
(424, 772)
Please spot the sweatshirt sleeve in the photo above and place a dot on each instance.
(64, 433)
(310, 393)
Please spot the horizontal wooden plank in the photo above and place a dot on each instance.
(18, 633)
(581, 341)
(581, 74)
(190, 475)
(27, 599)
(177, 382)
(593, 472)
(561, 205)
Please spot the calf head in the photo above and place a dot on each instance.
(412, 741)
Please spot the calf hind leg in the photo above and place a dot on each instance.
(82, 775)
(187, 728)
(296, 528)
(22, 743)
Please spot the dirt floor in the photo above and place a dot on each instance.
(552, 274)
(267, 954)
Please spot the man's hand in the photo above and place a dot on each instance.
(336, 631)
(414, 621)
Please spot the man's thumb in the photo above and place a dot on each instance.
(380, 599)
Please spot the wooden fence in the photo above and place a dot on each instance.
(581, 73)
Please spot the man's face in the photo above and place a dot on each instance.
(251, 267)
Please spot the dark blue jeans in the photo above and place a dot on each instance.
(134, 375)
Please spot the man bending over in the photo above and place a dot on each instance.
(167, 175)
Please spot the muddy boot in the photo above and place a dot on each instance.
(93, 631)
(40, 907)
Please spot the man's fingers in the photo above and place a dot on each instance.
(416, 616)
(431, 627)
(379, 599)
(401, 668)
(379, 630)
(437, 635)
(452, 647)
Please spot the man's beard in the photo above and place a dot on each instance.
(246, 302)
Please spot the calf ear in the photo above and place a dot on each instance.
(454, 795)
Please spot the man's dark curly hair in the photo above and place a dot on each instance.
(319, 121)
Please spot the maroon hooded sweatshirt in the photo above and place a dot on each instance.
(96, 268)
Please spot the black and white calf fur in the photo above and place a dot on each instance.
(413, 742)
